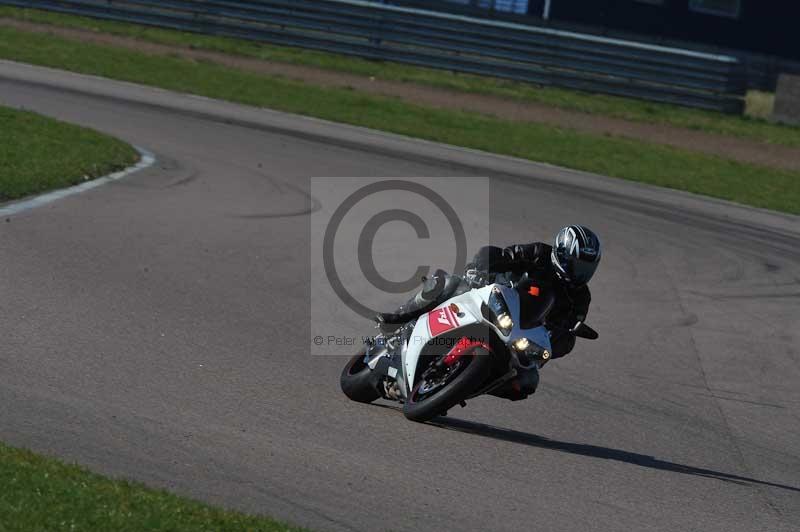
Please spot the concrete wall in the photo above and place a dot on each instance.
(787, 100)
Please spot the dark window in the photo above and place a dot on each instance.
(723, 8)
(507, 6)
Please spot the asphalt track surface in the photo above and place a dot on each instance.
(153, 328)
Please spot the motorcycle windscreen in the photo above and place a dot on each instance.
(535, 302)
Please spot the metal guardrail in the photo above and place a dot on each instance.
(761, 70)
(447, 41)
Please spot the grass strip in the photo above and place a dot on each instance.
(39, 154)
(41, 493)
(611, 106)
(618, 157)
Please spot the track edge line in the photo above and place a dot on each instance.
(146, 159)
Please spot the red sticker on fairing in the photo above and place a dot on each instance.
(441, 320)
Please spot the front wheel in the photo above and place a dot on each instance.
(358, 381)
(439, 390)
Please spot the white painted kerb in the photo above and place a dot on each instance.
(146, 159)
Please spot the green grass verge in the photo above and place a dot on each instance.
(41, 493)
(625, 158)
(755, 127)
(38, 154)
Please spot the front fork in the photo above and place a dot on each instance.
(384, 358)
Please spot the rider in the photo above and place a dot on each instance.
(567, 266)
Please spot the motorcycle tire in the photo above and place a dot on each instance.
(455, 391)
(358, 382)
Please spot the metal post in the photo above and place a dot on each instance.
(546, 12)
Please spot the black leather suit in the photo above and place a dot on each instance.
(572, 303)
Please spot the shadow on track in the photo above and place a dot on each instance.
(595, 451)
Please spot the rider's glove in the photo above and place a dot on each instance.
(475, 277)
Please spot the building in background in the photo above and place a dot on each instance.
(759, 26)
(520, 7)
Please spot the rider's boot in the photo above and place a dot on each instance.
(422, 302)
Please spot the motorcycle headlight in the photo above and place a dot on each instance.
(505, 323)
(499, 310)
(528, 352)
(522, 344)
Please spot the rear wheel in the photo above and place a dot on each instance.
(440, 389)
(358, 381)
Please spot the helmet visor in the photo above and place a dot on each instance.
(581, 271)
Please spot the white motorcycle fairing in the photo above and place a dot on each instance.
(460, 312)
(489, 340)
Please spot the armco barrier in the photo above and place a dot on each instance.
(446, 41)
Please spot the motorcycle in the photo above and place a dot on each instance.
(475, 343)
